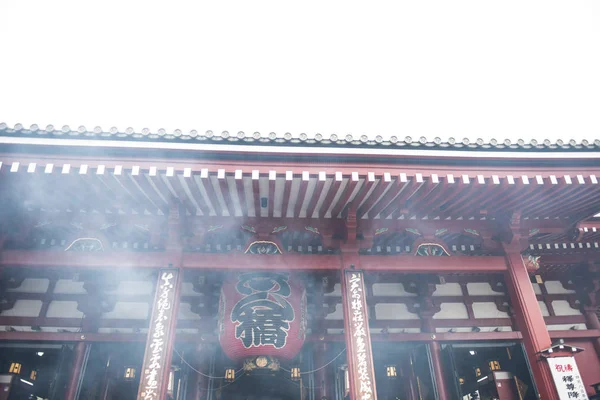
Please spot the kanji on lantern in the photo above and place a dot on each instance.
(264, 314)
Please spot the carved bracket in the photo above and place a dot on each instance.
(97, 301)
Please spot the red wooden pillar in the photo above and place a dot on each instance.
(592, 322)
(321, 378)
(530, 321)
(76, 371)
(436, 357)
(438, 370)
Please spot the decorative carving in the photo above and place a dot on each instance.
(471, 232)
(85, 245)
(426, 307)
(96, 305)
(531, 262)
(534, 232)
(248, 228)
(587, 287)
(503, 305)
(41, 224)
(381, 231)
(574, 303)
(498, 285)
(208, 304)
(261, 362)
(97, 302)
(328, 284)
(108, 225)
(213, 228)
(6, 304)
(279, 229)
(200, 308)
(330, 308)
(313, 230)
(11, 280)
(263, 247)
(431, 249)
(423, 286)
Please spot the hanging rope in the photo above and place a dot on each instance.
(315, 370)
(306, 386)
(207, 376)
(224, 386)
(241, 369)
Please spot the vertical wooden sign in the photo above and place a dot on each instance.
(567, 379)
(358, 337)
(157, 357)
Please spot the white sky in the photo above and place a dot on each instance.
(503, 69)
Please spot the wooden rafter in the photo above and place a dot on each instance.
(345, 197)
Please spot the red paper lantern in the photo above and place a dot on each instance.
(262, 314)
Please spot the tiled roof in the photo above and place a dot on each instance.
(302, 139)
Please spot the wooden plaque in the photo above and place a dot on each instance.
(157, 358)
(358, 338)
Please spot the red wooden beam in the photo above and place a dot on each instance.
(413, 264)
(102, 323)
(427, 337)
(61, 259)
(375, 337)
(400, 263)
(261, 262)
(588, 333)
(72, 337)
(582, 256)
